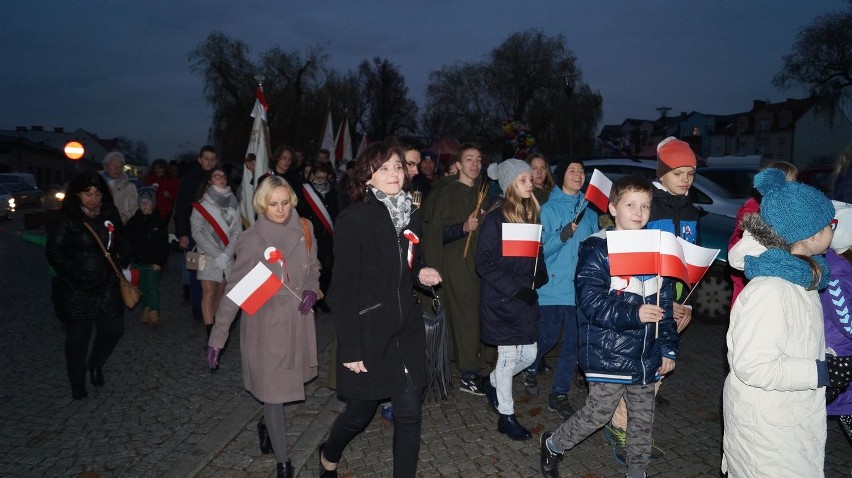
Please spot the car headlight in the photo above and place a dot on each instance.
(60, 195)
(11, 202)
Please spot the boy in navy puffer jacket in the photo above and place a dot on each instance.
(618, 348)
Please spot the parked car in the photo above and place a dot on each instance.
(26, 195)
(712, 296)
(7, 203)
(18, 178)
(737, 181)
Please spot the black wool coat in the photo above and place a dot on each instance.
(86, 286)
(376, 317)
(149, 238)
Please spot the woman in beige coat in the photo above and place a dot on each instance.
(278, 342)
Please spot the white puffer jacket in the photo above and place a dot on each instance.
(775, 420)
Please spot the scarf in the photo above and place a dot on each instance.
(398, 205)
(322, 188)
(226, 202)
(782, 264)
(91, 212)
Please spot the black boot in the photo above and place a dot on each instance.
(263, 437)
(97, 376)
(548, 459)
(285, 470)
(323, 473)
(78, 392)
(509, 425)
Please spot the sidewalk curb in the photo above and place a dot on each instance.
(303, 450)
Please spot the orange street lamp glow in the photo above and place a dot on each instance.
(74, 150)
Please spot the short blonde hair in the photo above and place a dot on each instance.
(260, 200)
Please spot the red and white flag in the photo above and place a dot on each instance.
(319, 209)
(521, 240)
(327, 139)
(598, 191)
(651, 251)
(132, 275)
(257, 287)
(343, 144)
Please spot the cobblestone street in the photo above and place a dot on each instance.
(161, 413)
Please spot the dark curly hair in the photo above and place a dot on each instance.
(373, 157)
(84, 182)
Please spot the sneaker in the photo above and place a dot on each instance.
(530, 383)
(548, 460)
(617, 439)
(472, 385)
(387, 414)
(558, 403)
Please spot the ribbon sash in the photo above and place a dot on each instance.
(318, 208)
(215, 220)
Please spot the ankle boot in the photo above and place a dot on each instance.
(153, 318)
(285, 470)
(96, 375)
(509, 425)
(323, 473)
(145, 313)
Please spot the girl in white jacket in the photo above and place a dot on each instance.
(774, 395)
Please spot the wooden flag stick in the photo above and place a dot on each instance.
(480, 197)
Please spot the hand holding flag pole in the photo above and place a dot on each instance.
(480, 197)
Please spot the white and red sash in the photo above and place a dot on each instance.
(318, 208)
(215, 220)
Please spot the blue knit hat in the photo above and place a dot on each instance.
(794, 210)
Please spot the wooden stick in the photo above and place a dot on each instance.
(480, 197)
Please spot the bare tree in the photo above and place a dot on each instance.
(389, 110)
(821, 59)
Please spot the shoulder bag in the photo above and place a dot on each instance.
(130, 294)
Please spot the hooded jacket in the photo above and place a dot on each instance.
(675, 214)
(615, 346)
(561, 257)
(771, 397)
(836, 300)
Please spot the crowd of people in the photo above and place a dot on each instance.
(365, 241)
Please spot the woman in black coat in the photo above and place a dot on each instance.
(85, 291)
(381, 346)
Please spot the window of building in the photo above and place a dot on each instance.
(696, 131)
(786, 118)
(763, 124)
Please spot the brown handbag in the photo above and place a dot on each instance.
(130, 294)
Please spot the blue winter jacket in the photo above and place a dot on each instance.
(504, 319)
(615, 346)
(674, 214)
(561, 257)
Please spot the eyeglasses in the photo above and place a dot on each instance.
(833, 224)
(218, 176)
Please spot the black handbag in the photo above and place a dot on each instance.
(438, 372)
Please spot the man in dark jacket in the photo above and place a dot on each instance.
(188, 188)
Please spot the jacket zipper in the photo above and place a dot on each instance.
(408, 379)
(372, 307)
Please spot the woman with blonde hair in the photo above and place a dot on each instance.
(278, 341)
(543, 181)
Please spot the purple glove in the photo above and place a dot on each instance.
(309, 298)
(213, 358)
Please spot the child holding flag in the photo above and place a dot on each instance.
(509, 262)
(618, 348)
(149, 245)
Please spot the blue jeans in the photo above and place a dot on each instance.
(556, 319)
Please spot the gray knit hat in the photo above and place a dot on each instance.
(507, 171)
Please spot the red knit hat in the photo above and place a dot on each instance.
(673, 153)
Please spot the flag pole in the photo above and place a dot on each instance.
(659, 285)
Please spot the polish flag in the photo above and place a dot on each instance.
(651, 251)
(598, 191)
(257, 287)
(343, 149)
(521, 240)
(259, 146)
(132, 275)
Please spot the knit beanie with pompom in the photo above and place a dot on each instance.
(795, 211)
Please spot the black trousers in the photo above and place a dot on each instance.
(407, 412)
(108, 330)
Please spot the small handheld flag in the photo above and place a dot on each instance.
(521, 240)
(598, 191)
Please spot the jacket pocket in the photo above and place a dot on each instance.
(368, 309)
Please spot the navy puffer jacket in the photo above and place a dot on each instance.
(615, 346)
(504, 319)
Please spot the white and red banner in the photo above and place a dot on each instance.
(651, 251)
(598, 191)
(319, 209)
(258, 146)
(342, 153)
(521, 240)
(215, 219)
(327, 139)
(257, 287)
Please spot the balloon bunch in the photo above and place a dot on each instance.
(518, 135)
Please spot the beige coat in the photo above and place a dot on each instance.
(278, 344)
